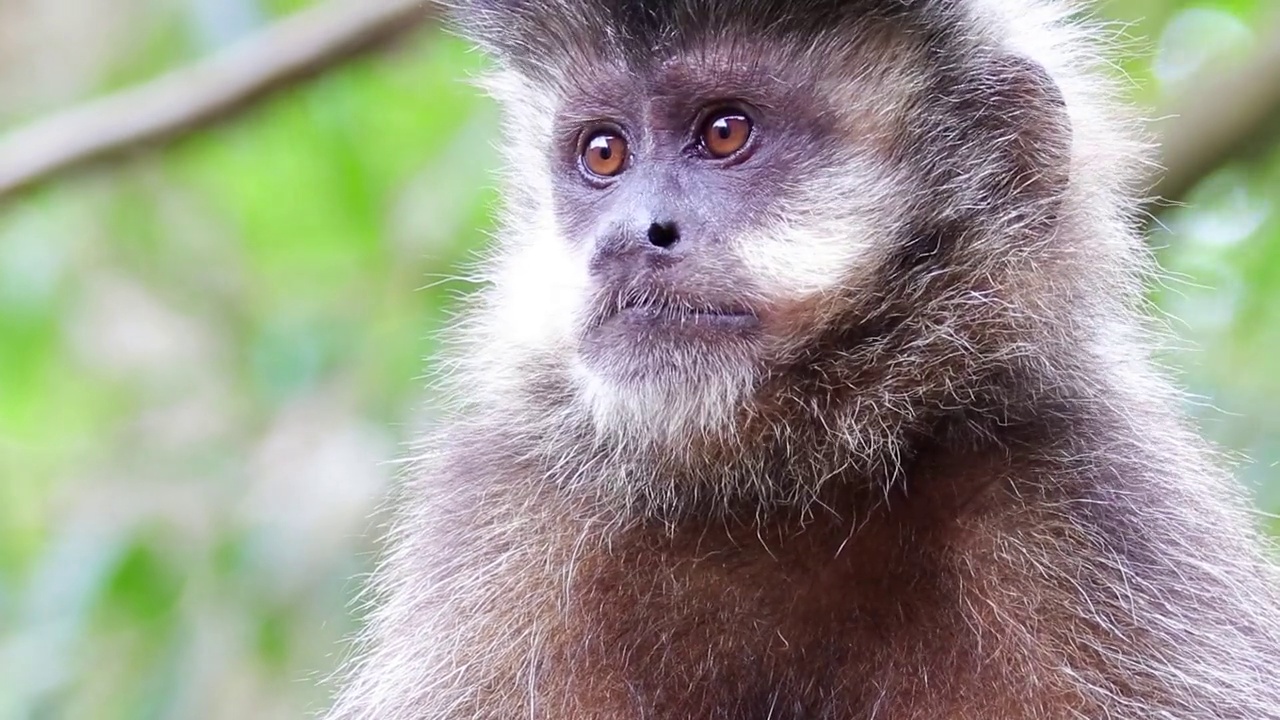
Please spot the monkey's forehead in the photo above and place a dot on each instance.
(538, 34)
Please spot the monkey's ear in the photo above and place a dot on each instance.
(1038, 131)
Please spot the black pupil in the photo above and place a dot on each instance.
(724, 129)
(606, 152)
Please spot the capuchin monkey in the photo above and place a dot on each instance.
(812, 381)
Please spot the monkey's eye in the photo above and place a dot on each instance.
(726, 132)
(605, 154)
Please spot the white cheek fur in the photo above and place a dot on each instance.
(543, 288)
(796, 262)
(832, 231)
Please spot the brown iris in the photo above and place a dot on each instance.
(605, 154)
(726, 133)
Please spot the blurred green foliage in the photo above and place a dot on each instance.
(211, 355)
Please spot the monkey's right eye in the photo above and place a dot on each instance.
(605, 154)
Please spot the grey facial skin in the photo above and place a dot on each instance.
(660, 234)
(858, 420)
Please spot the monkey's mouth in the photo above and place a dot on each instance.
(652, 310)
(635, 335)
(656, 313)
(633, 321)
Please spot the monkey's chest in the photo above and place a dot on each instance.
(797, 630)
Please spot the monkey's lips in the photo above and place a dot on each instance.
(678, 315)
(647, 332)
(641, 324)
(675, 317)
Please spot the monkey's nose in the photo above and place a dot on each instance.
(663, 234)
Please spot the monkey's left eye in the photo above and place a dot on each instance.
(726, 132)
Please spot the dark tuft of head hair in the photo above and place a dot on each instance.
(535, 34)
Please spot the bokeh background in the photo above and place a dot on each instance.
(211, 352)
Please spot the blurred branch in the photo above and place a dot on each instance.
(293, 49)
(1225, 113)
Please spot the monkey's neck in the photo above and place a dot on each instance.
(851, 467)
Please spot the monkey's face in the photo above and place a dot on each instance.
(687, 224)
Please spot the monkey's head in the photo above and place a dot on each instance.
(724, 214)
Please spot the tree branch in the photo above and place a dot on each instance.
(297, 47)
(1224, 113)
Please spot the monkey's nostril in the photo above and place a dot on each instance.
(663, 235)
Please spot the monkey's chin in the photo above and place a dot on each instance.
(660, 380)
